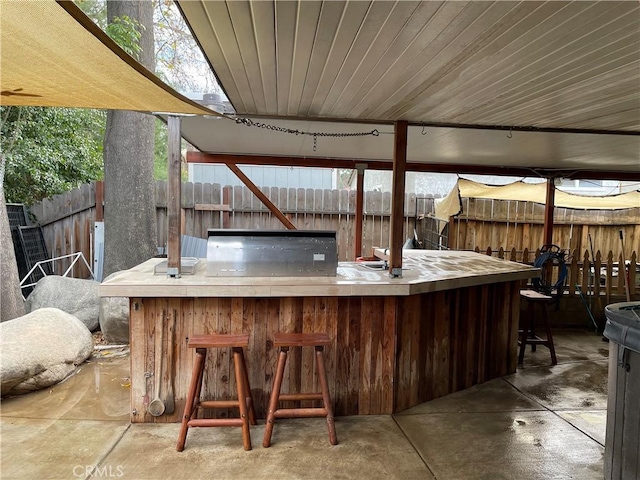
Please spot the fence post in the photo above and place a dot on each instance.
(609, 278)
(632, 275)
(597, 264)
(585, 270)
(621, 274)
(99, 200)
(573, 272)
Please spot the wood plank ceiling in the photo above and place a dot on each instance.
(542, 65)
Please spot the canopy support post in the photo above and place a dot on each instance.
(549, 206)
(360, 168)
(397, 198)
(174, 191)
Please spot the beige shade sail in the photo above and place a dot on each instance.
(451, 205)
(53, 55)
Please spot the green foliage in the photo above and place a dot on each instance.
(49, 150)
(96, 10)
(161, 161)
(126, 32)
(161, 153)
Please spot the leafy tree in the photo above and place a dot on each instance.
(161, 153)
(43, 151)
(179, 60)
(126, 32)
(49, 150)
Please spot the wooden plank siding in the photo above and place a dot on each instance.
(387, 353)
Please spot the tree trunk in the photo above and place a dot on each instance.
(11, 304)
(129, 213)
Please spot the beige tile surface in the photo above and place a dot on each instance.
(426, 271)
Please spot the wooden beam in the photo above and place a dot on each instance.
(99, 214)
(283, 161)
(174, 194)
(548, 212)
(209, 207)
(361, 167)
(263, 198)
(226, 200)
(397, 198)
(349, 163)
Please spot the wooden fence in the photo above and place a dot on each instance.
(67, 219)
(598, 277)
(514, 227)
(213, 206)
(511, 224)
(67, 225)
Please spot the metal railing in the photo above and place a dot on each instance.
(38, 266)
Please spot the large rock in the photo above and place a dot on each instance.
(40, 349)
(72, 295)
(114, 317)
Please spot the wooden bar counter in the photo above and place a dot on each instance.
(449, 323)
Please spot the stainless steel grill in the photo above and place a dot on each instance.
(271, 253)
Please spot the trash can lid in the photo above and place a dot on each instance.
(623, 324)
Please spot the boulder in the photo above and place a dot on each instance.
(72, 295)
(114, 317)
(41, 349)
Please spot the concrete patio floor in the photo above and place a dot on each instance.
(542, 422)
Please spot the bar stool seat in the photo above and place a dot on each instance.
(285, 341)
(244, 402)
(528, 334)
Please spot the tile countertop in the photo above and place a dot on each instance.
(423, 271)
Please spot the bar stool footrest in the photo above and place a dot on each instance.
(215, 422)
(537, 341)
(300, 412)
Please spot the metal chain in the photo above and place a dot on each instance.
(250, 123)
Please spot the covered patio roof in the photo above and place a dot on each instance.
(549, 87)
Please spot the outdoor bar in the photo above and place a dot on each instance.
(449, 322)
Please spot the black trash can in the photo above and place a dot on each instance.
(622, 444)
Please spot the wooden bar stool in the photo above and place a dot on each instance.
(286, 341)
(244, 402)
(528, 334)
